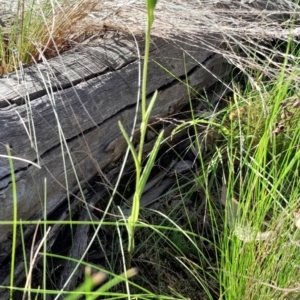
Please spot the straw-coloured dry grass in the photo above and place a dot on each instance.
(242, 24)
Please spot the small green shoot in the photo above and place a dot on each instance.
(15, 219)
(142, 175)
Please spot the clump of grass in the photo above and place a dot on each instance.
(252, 171)
(259, 163)
(265, 183)
(36, 29)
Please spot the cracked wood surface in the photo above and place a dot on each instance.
(79, 97)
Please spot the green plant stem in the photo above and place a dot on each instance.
(144, 86)
(15, 216)
(145, 113)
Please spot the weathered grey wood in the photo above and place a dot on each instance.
(87, 91)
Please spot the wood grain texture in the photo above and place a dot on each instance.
(79, 97)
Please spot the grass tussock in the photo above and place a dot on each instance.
(32, 30)
(261, 196)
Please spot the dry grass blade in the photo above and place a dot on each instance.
(33, 257)
(239, 24)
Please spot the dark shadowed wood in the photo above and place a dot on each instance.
(79, 97)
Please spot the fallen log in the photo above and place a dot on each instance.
(63, 114)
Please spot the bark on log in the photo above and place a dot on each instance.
(79, 97)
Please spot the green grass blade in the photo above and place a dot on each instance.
(15, 218)
(129, 143)
(150, 161)
(150, 106)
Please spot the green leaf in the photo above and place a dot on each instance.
(150, 106)
(150, 161)
(129, 143)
